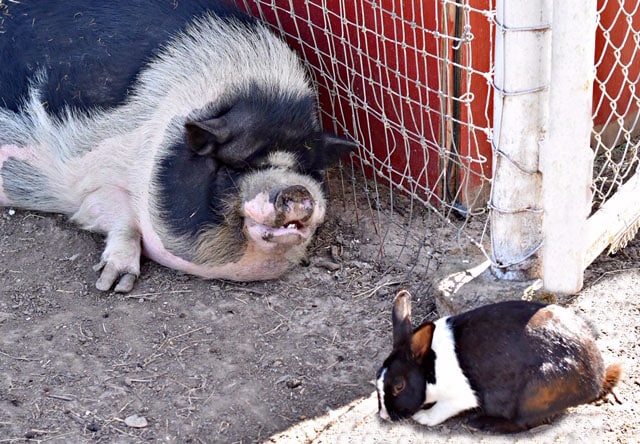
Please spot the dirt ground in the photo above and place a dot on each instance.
(182, 360)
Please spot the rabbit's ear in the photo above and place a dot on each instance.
(401, 319)
(421, 341)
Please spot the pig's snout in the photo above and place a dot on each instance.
(287, 215)
(292, 204)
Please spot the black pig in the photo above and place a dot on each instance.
(185, 130)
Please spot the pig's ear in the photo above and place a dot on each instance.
(204, 137)
(335, 148)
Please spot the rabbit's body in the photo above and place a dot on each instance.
(519, 363)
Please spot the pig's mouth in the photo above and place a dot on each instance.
(293, 232)
(283, 217)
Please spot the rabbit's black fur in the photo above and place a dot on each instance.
(519, 363)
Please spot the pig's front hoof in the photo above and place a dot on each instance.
(120, 263)
(112, 274)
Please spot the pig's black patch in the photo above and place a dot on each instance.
(192, 191)
(90, 57)
(25, 186)
(258, 120)
(199, 175)
(248, 125)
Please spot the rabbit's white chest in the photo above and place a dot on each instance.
(451, 392)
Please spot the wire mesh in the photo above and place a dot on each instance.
(616, 101)
(412, 83)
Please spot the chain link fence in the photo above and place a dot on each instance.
(414, 83)
(616, 99)
(410, 81)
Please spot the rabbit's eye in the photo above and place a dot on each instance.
(398, 387)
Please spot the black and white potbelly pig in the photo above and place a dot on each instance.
(185, 130)
(517, 363)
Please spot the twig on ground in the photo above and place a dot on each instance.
(17, 358)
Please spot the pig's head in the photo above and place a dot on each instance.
(246, 179)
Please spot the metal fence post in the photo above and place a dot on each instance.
(522, 64)
(566, 158)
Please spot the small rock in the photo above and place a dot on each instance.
(328, 264)
(136, 421)
(336, 252)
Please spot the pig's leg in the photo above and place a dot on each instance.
(108, 210)
(120, 261)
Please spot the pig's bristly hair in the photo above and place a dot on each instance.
(199, 66)
(78, 151)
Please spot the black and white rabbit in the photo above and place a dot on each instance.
(518, 363)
